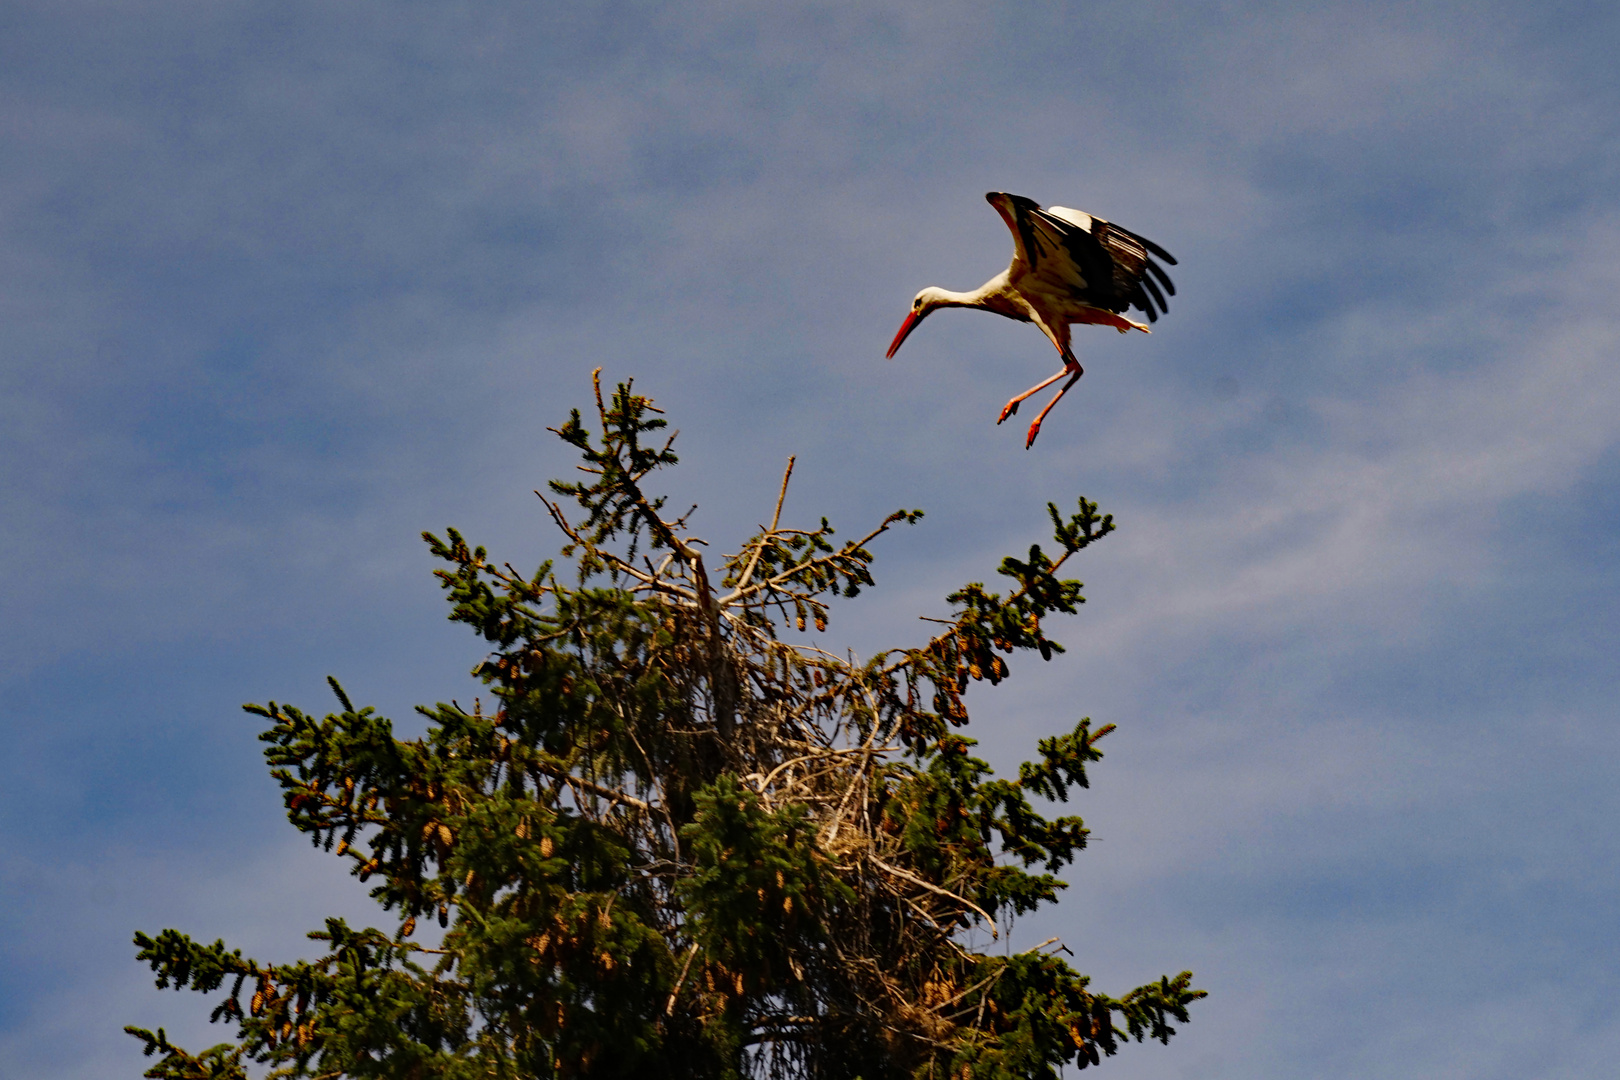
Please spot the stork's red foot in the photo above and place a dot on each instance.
(1009, 409)
(1034, 430)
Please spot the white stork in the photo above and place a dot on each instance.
(1067, 267)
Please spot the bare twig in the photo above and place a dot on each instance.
(580, 784)
(838, 815)
(915, 880)
(669, 1009)
(759, 549)
(818, 753)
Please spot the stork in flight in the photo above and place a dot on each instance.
(1067, 267)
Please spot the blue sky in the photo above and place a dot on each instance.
(285, 284)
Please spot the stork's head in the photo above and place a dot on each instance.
(928, 300)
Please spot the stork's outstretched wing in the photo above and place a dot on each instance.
(1095, 261)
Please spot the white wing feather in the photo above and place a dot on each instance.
(1073, 217)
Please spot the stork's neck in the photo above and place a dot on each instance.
(994, 295)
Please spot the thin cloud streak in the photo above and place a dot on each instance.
(1404, 492)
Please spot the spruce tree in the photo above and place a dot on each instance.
(673, 842)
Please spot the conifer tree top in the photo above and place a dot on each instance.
(677, 840)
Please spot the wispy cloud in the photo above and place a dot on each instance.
(283, 288)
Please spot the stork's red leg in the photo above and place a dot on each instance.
(1072, 368)
(1035, 428)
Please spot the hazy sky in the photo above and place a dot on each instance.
(284, 284)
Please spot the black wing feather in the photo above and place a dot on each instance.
(1116, 264)
(1159, 251)
(1153, 291)
(1164, 278)
(1135, 270)
(1139, 298)
(1151, 247)
(1095, 264)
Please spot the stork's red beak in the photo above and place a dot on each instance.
(912, 319)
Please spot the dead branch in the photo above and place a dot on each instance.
(915, 880)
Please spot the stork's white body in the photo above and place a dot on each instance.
(1067, 267)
